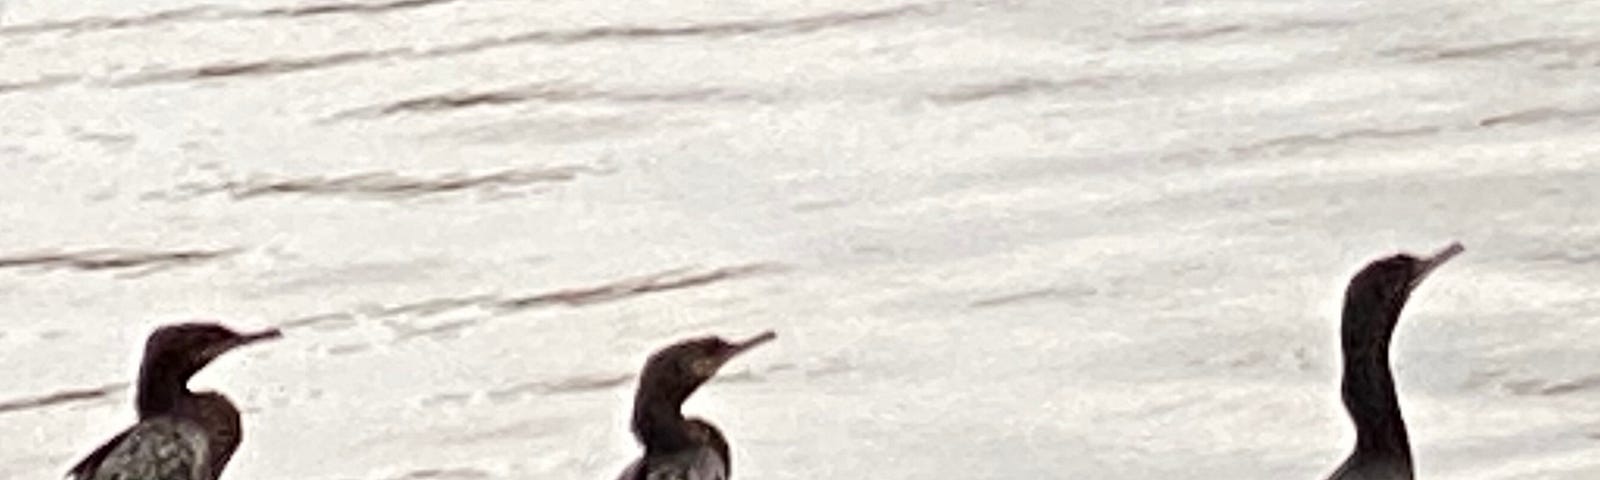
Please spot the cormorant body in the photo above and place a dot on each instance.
(1373, 302)
(678, 448)
(181, 435)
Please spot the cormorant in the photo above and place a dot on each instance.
(676, 448)
(1372, 305)
(181, 435)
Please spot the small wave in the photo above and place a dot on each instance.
(790, 26)
(375, 185)
(278, 66)
(214, 13)
(1190, 35)
(37, 83)
(1014, 88)
(543, 92)
(568, 385)
(1483, 50)
(1178, 32)
(1539, 115)
(91, 260)
(1043, 293)
(356, 7)
(113, 23)
(661, 282)
(1543, 53)
(1540, 387)
(1303, 141)
(62, 397)
(435, 331)
(274, 66)
(435, 306)
(675, 279)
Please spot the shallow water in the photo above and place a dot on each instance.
(999, 240)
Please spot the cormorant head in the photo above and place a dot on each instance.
(676, 371)
(1379, 291)
(185, 348)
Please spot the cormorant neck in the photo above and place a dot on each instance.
(162, 386)
(658, 420)
(1369, 393)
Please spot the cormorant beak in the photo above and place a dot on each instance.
(1427, 265)
(268, 334)
(746, 345)
(242, 340)
(708, 365)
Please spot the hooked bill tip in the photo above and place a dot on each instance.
(753, 342)
(764, 337)
(1448, 252)
(1427, 265)
(1443, 255)
(268, 334)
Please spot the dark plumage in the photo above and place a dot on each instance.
(181, 435)
(678, 448)
(1372, 306)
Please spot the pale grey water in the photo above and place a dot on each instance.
(1010, 239)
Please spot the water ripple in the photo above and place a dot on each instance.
(375, 185)
(108, 259)
(660, 282)
(283, 65)
(1015, 88)
(62, 397)
(213, 13)
(544, 92)
(675, 279)
(1539, 115)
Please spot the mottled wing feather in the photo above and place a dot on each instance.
(696, 464)
(155, 449)
(706, 434)
(222, 424)
(86, 467)
(708, 461)
(709, 466)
